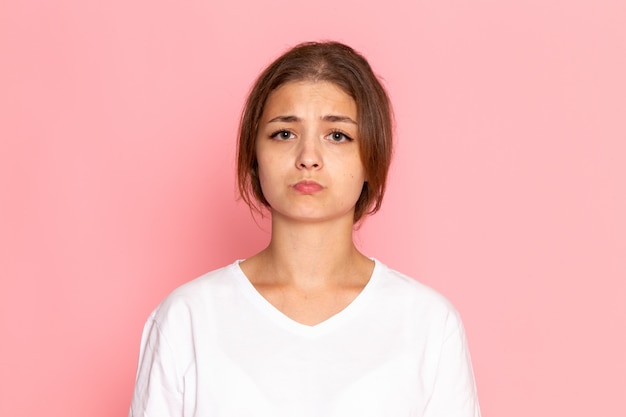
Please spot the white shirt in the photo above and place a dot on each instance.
(216, 348)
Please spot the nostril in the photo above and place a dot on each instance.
(308, 165)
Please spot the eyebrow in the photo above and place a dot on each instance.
(327, 118)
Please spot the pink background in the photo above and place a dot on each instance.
(507, 194)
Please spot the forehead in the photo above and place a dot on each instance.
(310, 96)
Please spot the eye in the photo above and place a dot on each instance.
(282, 135)
(338, 136)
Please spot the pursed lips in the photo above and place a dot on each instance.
(307, 187)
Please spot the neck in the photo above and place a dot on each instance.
(312, 255)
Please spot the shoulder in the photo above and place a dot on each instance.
(414, 298)
(399, 284)
(198, 295)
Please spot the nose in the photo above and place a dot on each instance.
(309, 155)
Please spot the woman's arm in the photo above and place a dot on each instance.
(454, 388)
(158, 392)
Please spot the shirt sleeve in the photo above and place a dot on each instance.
(454, 389)
(158, 392)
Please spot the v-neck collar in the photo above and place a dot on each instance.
(296, 327)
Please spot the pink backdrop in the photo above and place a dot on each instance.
(508, 190)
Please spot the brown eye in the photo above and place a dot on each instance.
(282, 135)
(338, 137)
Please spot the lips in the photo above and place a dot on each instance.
(307, 187)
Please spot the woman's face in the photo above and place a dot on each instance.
(307, 148)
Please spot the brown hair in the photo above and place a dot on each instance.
(341, 65)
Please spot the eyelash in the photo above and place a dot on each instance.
(276, 135)
(334, 132)
(279, 132)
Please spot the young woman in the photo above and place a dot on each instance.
(309, 326)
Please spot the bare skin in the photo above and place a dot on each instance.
(309, 275)
(311, 270)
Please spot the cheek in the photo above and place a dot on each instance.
(269, 177)
(263, 178)
(266, 166)
(357, 172)
(354, 181)
(261, 165)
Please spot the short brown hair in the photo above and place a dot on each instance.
(341, 65)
